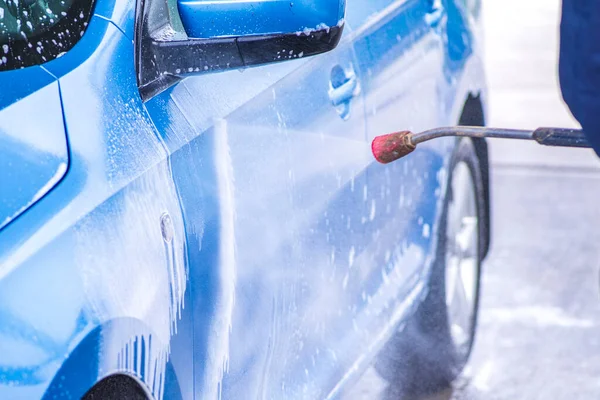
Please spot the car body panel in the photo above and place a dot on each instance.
(99, 202)
(401, 56)
(33, 141)
(435, 73)
(280, 278)
(266, 197)
(119, 13)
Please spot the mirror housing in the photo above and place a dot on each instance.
(222, 35)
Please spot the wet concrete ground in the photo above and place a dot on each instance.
(539, 328)
(540, 312)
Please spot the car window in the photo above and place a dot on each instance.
(35, 31)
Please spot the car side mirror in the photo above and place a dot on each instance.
(178, 38)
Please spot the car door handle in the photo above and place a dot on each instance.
(345, 92)
(435, 15)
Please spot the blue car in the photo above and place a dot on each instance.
(189, 206)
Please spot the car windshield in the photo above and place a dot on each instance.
(27, 18)
(33, 32)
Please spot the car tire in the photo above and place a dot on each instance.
(431, 350)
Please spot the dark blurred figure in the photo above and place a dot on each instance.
(580, 64)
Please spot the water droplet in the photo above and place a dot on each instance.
(345, 282)
(373, 210)
(166, 227)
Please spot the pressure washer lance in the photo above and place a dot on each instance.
(389, 148)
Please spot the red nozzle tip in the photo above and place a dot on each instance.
(389, 148)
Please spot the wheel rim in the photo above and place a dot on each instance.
(462, 258)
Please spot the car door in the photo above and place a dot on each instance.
(270, 167)
(401, 61)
